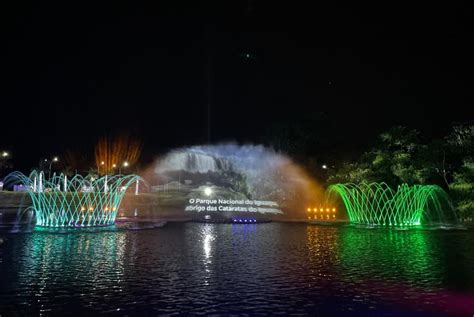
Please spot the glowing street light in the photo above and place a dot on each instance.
(5, 154)
(325, 167)
(113, 168)
(55, 159)
(98, 167)
(125, 164)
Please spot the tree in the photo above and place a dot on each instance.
(393, 160)
(462, 190)
(351, 173)
(68, 171)
(462, 137)
(461, 140)
(92, 173)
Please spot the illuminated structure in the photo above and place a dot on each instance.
(75, 202)
(378, 204)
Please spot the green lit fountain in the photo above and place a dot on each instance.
(378, 204)
(75, 202)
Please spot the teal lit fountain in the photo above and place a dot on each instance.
(75, 202)
(378, 204)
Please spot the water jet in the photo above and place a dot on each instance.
(75, 202)
(378, 204)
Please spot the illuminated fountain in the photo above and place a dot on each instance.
(76, 202)
(378, 204)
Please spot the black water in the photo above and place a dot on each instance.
(273, 268)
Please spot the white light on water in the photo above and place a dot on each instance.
(208, 238)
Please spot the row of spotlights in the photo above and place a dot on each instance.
(245, 220)
(309, 209)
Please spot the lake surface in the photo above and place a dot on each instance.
(272, 268)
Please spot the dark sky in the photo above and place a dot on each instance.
(74, 71)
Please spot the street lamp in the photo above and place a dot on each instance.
(325, 167)
(113, 168)
(125, 164)
(55, 159)
(3, 162)
(98, 167)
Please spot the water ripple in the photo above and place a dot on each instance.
(262, 269)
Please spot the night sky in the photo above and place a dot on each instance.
(74, 71)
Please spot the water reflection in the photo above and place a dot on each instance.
(322, 244)
(274, 268)
(207, 245)
(207, 233)
(377, 254)
(89, 263)
(396, 268)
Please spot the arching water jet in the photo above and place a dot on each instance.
(78, 202)
(378, 204)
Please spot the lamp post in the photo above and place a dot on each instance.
(4, 156)
(3, 160)
(125, 164)
(326, 171)
(113, 168)
(102, 163)
(55, 159)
